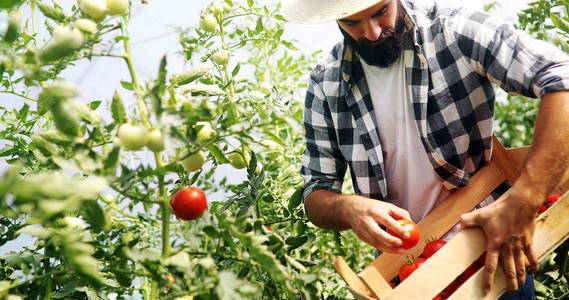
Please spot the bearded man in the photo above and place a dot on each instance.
(406, 100)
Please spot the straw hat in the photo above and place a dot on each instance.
(321, 11)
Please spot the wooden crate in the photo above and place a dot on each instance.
(441, 269)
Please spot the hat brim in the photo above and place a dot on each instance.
(322, 11)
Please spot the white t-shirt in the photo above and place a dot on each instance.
(412, 183)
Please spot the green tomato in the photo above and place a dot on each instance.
(133, 137)
(95, 10)
(86, 25)
(220, 57)
(226, 8)
(208, 22)
(73, 222)
(205, 132)
(117, 7)
(65, 41)
(193, 162)
(217, 8)
(236, 160)
(155, 143)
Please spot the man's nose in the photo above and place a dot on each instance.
(372, 30)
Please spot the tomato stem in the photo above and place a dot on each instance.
(128, 59)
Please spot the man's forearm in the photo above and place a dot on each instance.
(329, 210)
(548, 158)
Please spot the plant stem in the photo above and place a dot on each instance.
(165, 207)
(128, 59)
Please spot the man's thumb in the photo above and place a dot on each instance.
(467, 220)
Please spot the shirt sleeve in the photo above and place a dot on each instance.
(517, 62)
(323, 164)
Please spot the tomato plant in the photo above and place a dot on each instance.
(412, 229)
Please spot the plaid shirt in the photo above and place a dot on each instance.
(452, 59)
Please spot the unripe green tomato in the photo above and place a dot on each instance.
(133, 137)
(205, 132)
(194, 162)
(117, 7)
(86, 25)
(236, 160)
(71, 37)
(155, 143)
(73, 222)
(258, 168)
(217, 8)
(95, 10)
(220, 57)
(208, 22)
(226, 7)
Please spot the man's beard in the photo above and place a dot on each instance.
(388, 51)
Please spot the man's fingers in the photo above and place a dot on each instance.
(509, 266)
(532, 256)
(519, 256)
(490, 266)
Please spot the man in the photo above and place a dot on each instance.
(406, 101)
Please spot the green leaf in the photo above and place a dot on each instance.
(259, 26)
(296, 241)
(560, 22)
(210, 231)
(117, 109)
(111, 160)
(250, 3)
(236, 70)
(218, 154)
(54, 13)
(295, 199)
(94, 214)
(127, 85)
(189, 75)
(162, 71)
(9, 3)
(87, 267)
(230, 287)
(56, 92)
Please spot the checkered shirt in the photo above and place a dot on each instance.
(452, 59)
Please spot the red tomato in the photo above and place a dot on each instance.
(408, 268)
(189, 204)
(437, 297)
(549, 201)
(432, 247)
(391, 284)
(414, 233)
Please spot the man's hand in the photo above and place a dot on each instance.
(509, 225)
(364, 216)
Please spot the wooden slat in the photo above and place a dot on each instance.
(376, 283)
(508, 166)
(443, 218)
(518, 155)
(351, 279)
(443, 267)
(552, 229)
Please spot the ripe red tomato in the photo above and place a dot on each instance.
(189, 204)
(432, 247)
(408, 268)
(549, 201)
(414, 233)
(437, 297)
